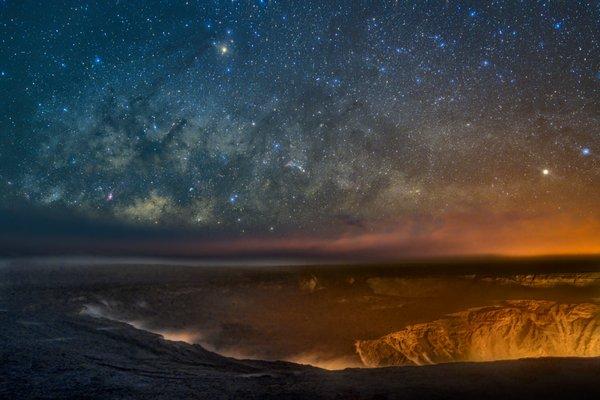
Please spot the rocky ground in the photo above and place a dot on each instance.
(512, 330)
(58, 356)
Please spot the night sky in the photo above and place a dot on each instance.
(399, 127)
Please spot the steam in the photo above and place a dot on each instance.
(107, 309)
(176, 335)
(323, 360)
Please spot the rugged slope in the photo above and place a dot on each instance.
(71, 357)
(515, 329)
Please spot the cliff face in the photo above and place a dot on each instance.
(586, 279)
(433, 285)
(515, 329)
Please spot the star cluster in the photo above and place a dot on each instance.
(259, 117)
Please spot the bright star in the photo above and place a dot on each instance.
(546, 171)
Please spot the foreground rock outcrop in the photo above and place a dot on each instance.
(513, 330)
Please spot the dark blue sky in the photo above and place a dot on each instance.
(273, 119)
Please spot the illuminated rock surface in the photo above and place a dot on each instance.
(515, 329)
(588, 279)
(429, 286)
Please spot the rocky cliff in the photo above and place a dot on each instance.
(512, 330)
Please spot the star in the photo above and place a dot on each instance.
(297, 114)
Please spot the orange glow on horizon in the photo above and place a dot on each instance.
(455, 235)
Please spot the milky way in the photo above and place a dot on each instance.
(314, 118)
